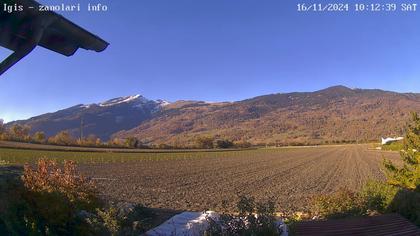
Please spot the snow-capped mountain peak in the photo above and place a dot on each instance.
(120, 100)
(137, 101)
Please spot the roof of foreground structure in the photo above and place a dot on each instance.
(21, 31)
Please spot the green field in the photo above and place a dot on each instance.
(22, 156)
(395, 146)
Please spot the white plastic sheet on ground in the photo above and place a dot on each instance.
(192, 224)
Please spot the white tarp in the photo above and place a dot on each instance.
(390, 140)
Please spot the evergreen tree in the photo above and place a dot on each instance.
(407, 176)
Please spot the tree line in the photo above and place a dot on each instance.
(22, 133)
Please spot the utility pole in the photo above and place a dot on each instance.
(81, 128)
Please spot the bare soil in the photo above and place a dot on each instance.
(290, 177)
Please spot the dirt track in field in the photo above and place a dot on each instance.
(288, 176)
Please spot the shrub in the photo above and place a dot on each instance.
(164, 146)
(223, 143)
(116, 142)
(105, 221)
(254, 218)
(374, 197)
(126, 219)
(132, 142)
(90, 141)
(39, 137)
(137, 221)
(340, 204)
(243, 144)
(377, 196)
(205, 142)
(47, 201)
(50, 178)
(54, 200)
(62, 138)
(394, 146)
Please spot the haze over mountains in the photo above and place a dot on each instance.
(333, 114)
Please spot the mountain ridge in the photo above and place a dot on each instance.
(326, 115)
(333, 114)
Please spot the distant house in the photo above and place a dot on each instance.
(390, 140)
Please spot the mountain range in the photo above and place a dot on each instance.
(333, 114)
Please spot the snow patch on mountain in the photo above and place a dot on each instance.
(86, 106)
(163, 103)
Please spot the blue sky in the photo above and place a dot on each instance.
(216, 50)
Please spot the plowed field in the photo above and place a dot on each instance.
(290, 176)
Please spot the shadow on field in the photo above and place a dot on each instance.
(9, 182)
(407, 204)
(10, 172)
